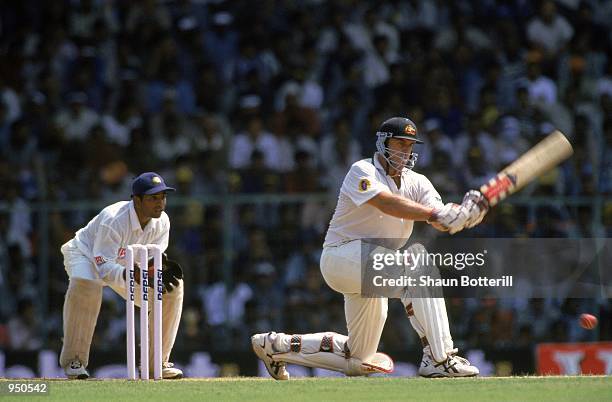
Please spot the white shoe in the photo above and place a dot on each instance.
(262, 346)
(453, 366)
(75, 371)
(169, 372)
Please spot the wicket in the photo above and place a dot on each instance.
(142, 253)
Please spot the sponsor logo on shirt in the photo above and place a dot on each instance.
(364, 185)
(99, 260)
(121, 253)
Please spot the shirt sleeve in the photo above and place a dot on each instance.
(428, 195)
(162, 238)
(361, 184)
(105, 250)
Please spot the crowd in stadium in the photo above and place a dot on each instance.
(281, 97)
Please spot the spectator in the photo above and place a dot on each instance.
(268, 295)
(23, 329)
(77, 121)
(605, 170)
(541, 88)
(169, 132)
(475, 137)
(437, 141)
(119, 125)
(549, 31)
(254, 137)
(339, 150)
(221, 44)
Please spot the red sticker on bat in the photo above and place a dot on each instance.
(501, 184)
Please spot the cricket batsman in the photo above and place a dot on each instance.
(381, 197)
(95, 258)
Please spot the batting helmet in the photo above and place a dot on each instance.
(397, 127)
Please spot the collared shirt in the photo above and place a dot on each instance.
(355, 219)
(107, 235)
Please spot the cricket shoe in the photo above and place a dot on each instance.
(262, 346)
(75, 371)
(453, 366)
(169, 372)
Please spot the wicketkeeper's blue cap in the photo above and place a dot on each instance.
(149, 183)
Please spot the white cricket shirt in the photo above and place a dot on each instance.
(107, 235)
(355, 219)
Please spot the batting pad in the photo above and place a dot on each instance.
(326, 350)
(431, 318)
(81, 308)
(426, 308)
(420, 330)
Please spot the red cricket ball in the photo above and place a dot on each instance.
(588, 321)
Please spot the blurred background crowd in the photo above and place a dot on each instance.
(236, 99)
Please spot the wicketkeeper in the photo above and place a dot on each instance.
(95, 258)
(381, 197)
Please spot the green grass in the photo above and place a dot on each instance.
(523, 389)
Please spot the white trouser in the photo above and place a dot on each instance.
(78, 265)
(365, 317)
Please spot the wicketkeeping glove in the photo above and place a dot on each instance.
(171, 273)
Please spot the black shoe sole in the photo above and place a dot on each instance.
(79, 377)
(447, 376)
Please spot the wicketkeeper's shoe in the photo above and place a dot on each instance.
(169, 372)
(76, 371)
(453, 366)
(262, 346)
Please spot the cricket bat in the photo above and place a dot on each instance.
(545, 155)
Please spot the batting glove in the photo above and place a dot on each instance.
(477, 206)
(451, 216)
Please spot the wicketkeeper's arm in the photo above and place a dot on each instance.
(106, 247)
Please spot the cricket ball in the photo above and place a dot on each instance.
(588, 321)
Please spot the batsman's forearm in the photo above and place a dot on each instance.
(401, 207)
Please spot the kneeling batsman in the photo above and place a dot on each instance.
(380, 198)
(428, 316)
